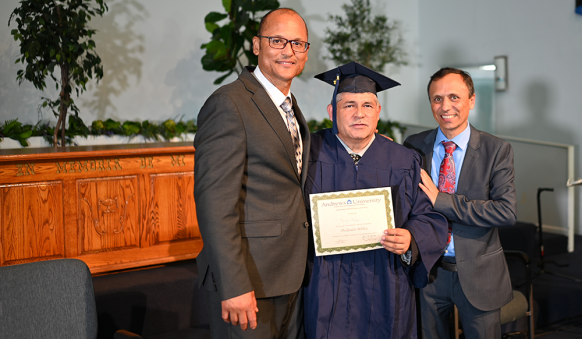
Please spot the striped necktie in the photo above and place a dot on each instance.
(292, 127)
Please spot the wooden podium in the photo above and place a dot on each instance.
(114, 207)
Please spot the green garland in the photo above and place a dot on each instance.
(166, 130)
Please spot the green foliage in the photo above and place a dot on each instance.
(231, 43)
(385, 127)
(371, 41)
(130, 128)
(55, 33)
(388, 127)
(112, 126)
(97, 125)
(77, 127)
(149, 131)
(16, 131)
(315, 125)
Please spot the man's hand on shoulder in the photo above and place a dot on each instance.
(241, 310)
(428, 186)
(396, 240)
(387, 137)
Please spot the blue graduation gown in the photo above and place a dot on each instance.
(370, 294)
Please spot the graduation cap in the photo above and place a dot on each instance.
(354, 78)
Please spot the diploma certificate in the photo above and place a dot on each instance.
(350, 221)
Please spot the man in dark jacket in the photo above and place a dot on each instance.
(250, 165)
(468, 175)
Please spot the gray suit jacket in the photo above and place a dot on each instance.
(485, 199)
(248, 193)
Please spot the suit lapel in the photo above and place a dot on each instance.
(271, 113)
(471, 157)
(428, 150)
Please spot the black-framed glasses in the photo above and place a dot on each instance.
(280, 43)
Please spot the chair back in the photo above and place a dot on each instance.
(47, 299)
(522, 303)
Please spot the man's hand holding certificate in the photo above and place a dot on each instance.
(354, 221)
(396, 240)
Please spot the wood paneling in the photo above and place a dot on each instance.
(31, 223)
(113, 207)
(171, 198)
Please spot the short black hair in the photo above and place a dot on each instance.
(441, 73)
(285, 10)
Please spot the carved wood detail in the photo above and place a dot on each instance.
(108, 214)
(114, 207)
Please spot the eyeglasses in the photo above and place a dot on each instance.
(280, 43)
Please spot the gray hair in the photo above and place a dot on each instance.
(338, 98)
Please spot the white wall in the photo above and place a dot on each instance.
(543, 41)
(151, 57)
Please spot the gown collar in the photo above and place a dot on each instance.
(349, 150)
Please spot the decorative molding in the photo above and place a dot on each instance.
(7, 143)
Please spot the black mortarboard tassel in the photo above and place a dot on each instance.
(354, 78)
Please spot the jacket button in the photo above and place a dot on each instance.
(306, 224)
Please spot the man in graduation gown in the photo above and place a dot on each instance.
(368, 294)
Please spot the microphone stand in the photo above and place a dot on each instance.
(543, 262)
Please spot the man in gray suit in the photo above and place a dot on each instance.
(474, 174)
(252, 147)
